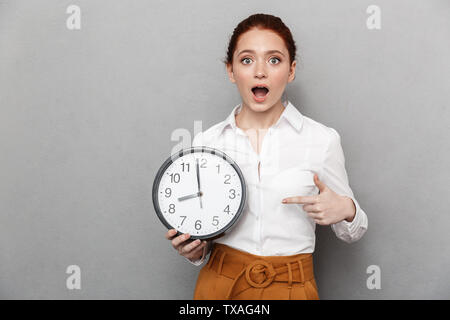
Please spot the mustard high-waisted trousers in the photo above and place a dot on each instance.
(234, 274)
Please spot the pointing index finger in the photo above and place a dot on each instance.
(301, 199)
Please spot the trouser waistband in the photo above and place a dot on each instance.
(248, 270)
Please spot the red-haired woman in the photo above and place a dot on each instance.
(295, 171)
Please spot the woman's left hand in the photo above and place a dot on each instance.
(327, 207)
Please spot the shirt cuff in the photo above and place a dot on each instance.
(202, 259)
(197, 262)
(352, 231)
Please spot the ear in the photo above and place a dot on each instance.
(292, 71)
(230, 73)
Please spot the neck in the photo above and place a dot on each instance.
(249, 119)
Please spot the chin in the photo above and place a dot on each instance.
(260, 107)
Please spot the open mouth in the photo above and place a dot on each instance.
(260, 91)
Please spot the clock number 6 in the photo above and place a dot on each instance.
(198, 225)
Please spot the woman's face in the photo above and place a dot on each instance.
(261, 58)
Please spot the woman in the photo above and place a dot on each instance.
(282, 154)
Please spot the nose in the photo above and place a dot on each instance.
(260, 71)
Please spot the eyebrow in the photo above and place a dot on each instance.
(267, 52)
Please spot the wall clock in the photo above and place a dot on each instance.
(200, 191)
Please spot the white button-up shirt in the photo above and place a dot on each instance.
(292, 150)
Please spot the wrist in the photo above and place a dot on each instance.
(204, 252)
(351, 211)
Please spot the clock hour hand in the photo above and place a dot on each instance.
(190, 196)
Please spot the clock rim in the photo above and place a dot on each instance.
(198, 149)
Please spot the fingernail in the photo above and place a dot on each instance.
(284, 201)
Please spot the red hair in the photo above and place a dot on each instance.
(261, 21)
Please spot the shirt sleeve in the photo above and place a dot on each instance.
(335, 176)
(206, 252)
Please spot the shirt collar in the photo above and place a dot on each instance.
(290, 114)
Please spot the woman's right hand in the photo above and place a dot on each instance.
(192, 250)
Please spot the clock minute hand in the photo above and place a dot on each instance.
(198, 183)
(198, 176)
(190, 196)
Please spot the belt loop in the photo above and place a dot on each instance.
(219, 270)
(300, 265)
(211, 259)
(290, 275)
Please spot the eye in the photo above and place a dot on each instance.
(245, 60)
(275, 58)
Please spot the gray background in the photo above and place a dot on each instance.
(87, 116)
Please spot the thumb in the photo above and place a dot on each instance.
(322, 186)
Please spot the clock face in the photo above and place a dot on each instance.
(200, 191)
